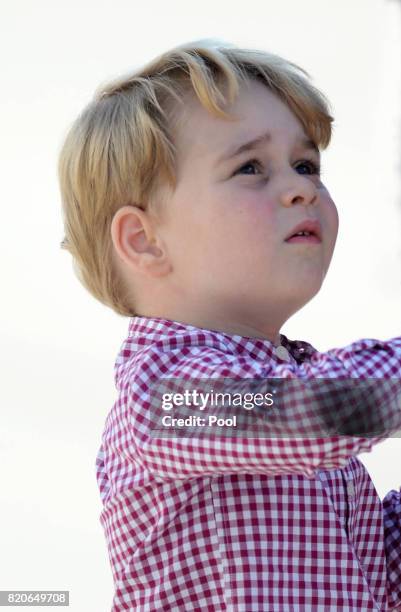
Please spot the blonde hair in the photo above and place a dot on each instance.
(120, 149)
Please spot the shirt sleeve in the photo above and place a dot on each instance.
(191, 455)
(392, 543)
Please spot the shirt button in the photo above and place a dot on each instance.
(350, 488)
(282, 353)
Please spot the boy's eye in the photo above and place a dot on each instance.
(312, 166)
(251, 162)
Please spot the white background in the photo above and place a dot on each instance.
(59, 345)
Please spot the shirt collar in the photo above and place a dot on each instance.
(144, 331)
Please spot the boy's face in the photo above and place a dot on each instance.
(226, 224)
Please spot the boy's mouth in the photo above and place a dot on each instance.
(307, 231)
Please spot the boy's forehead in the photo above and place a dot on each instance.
(260, 116)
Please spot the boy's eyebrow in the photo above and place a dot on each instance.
(258, 141)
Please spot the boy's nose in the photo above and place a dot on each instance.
(303, 192)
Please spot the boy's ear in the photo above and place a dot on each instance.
(136, 242)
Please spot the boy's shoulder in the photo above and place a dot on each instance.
(162, 347)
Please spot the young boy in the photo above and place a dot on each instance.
(193, 204)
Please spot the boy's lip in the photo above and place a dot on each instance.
(309, 225)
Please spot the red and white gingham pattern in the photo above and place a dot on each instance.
(242, 524)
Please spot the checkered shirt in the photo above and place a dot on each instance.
(243, 524)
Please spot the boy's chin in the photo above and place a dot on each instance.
(309, 282)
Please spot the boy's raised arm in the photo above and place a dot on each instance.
(311, 428)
